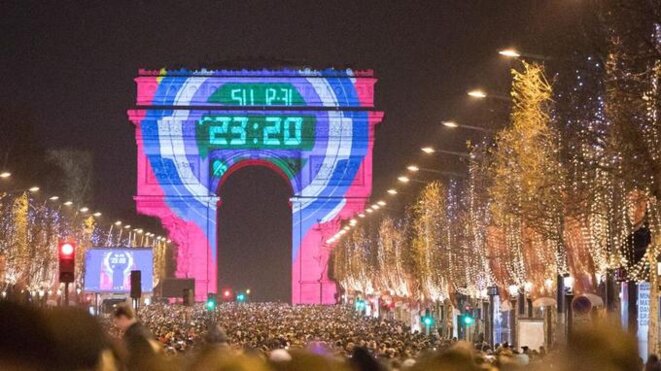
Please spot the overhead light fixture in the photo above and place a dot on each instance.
(119, 222)
(84, 209)
(68, 203)
(97, 214)
(34, 189)
(53, 198)
(381, 203)
(392, 191)
(404, 179)
(413, 168)
(361, 215)
(5, 174)
(450, 124)
(127, 226)
(428, 150)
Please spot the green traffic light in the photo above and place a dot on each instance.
(240, 297)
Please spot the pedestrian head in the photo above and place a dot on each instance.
(124, 317)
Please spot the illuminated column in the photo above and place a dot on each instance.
(310, 282)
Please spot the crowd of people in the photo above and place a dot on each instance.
(270, 336)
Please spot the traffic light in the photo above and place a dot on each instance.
(468, 319)
(427, 319)
(241, 297)
(211, 301)
(360, 305)
(67, 260)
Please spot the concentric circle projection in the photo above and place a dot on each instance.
(316, 128)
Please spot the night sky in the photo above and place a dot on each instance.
(71, 65)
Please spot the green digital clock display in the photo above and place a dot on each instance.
(257, 94)
(256, 132)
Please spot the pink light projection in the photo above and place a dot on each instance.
(315, 128)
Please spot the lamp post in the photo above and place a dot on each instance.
(527, 287)
(492, 291)
(568, 282)
(513, 291)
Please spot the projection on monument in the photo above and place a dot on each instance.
(315, 128)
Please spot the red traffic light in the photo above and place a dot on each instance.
(66, 249)
(67, 261)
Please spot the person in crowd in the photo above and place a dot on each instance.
(140, 349)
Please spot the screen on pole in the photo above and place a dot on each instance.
(109, 269)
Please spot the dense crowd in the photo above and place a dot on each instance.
(274, 337)
(269, 326)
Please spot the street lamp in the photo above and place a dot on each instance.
(513, 291)
(404, 179)
(527, 287)
(392, 191)
(84, 209)
(34, 189)
(454, 125)
(568, 282)
(477, 93)
(97, 214)
(430, 150)
(5, 175)
(68, 203)
(413, 168)
(510, 53)
(53, 198)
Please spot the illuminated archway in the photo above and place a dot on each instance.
(316, 128)
(254, 233)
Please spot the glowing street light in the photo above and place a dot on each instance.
(369, 210)
(454, 125)
(54, 198)
(428, 150)
(97, 214)
(413, 168)
(5, 175)
(392, 191)
(84, 209)
(68, 203)
(127, 226)
(361, 215)
(119, 222)
(479, 94)
(510, 53)
(34, 189)
(404, 179)
(381, 203)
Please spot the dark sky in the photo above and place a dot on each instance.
(71, 65)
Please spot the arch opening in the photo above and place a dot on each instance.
(255, 232)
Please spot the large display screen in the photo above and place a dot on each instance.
(256, 131)
(109, 269)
